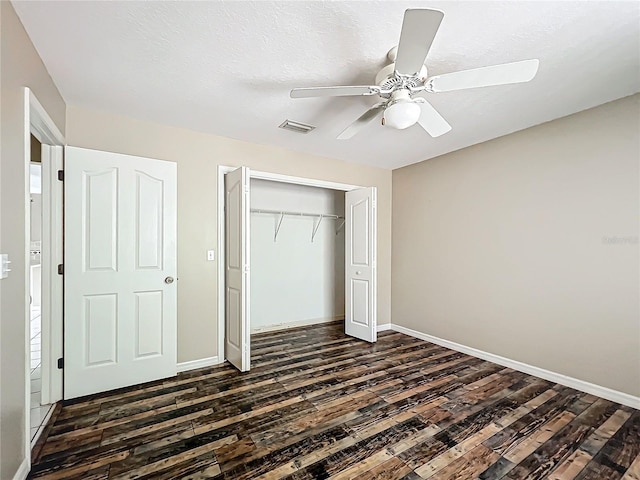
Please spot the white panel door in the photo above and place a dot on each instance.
(120, 295)
(237, 328)
(360, 269)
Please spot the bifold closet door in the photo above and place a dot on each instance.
(120, 294)
(360, 259)
(237, 329)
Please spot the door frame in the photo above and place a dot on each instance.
(38, 122)
(260, 175)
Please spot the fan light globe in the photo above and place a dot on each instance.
(401, 115)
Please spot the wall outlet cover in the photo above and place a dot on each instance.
(4, 265)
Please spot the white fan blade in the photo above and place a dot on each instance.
(516, 72)
(419, 28)
(365, 119)
(332, 91)
(432, 121)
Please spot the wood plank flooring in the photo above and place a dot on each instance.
(319, 405)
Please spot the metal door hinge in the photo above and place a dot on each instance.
(61, 175)
(61, 363)
(60, 269)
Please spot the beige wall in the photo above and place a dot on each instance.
(509, 246)
(20, 67)
(198, 156)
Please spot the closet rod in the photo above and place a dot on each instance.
(282, 213)
(300, 214)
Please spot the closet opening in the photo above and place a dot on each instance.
(297, 254)
(293, 252)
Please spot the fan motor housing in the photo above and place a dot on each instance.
(387, 79)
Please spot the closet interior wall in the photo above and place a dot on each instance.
(294, 280)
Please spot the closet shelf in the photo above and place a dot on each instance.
(282, 214)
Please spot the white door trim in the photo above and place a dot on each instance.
(37, 122)
(52, 283)
(275, 177)
(310, 182)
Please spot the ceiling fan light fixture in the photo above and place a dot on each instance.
(401, 115)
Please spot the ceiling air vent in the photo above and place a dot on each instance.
(296, 126)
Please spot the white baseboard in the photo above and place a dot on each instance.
(600, 391)
(23, 470)
(384, 326)
(300, 323)
(202, 363)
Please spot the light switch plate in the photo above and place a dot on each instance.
(211, 255)
(4, 265)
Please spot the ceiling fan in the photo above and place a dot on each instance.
(402, 85)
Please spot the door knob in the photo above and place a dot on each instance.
(358, 272)
(168, 280)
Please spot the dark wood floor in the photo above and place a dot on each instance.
(317, 404)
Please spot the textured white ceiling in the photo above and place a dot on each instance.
(227, 67)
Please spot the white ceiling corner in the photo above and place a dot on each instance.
(227, 67)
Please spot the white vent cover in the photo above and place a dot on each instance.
(296, 126)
